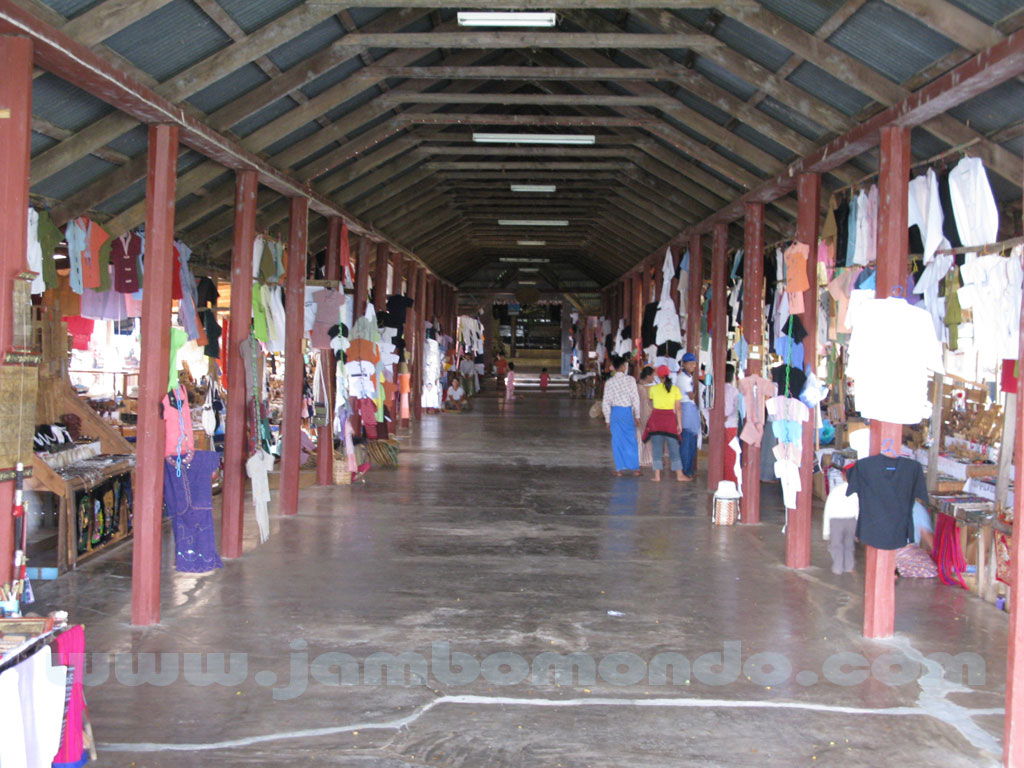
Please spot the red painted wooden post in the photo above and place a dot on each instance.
(693, 297)
(646, 284)
(325, 434)
(415, 336)
(422, 317)
(380, 278)
(362, 288)
(294, 369)
(880, 575)
(753, 332)
(433, 300)
(717, 330)
(1013, 727)
(15, 145)
(798, 528)
(153, 365)
(236, 439)
(628, 299)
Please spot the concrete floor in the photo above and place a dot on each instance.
(503, 532)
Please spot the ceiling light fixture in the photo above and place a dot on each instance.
(506, 19)
(527, 282)
(523, 260)
(531, 242)
(534, 138)
(533, 187)
(533, 222)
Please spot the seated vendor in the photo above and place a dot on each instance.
(455, 399)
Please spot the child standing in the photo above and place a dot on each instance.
(840, 526)
(510, 382)
(544, 379)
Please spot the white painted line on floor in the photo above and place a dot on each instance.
(531, 702)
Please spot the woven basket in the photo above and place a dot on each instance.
(383, 453)
(724, 511)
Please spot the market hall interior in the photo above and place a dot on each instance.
(498, 534)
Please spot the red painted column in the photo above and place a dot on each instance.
(236, 440)
(153, 365)
(294, 370)
(753, 332)
(434, 300)
(380, 278)
(693, 297)
(362, 287)
(1013, 728)
(717, 331)
(627, 302)
(880, 578)
(798, 529)
(645, 298)
(325, 435)
(15, 145)
(415, 335)
(422, 317)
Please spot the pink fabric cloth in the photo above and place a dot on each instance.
(69, 651)
(756, 391)
(174, 421)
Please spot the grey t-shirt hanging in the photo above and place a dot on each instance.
(886, 487)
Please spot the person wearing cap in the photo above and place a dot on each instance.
(664, 425)
(690, 415)
(621, 407)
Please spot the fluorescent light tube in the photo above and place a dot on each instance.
(523, 260)
(506, 19)
(531, 242)
(533, 187)
(527, 282)
(529, 269)
(533, 222)
(534, 138)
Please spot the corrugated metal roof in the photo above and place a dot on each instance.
(888, 40)
(994, 109)
(294, 137)
(764, 143)
(723, 78)
(133, 142)
(751, 44)
(229, 88)
(74, 178)
(124, 199)
(170, 39)
(807, 16)
(828, 89)
(792, 118)
(333, 77)
(308, 43)
(262, 117)
(989, 11)
(71, 8)
(250, 15)
(41, 143)
(64, 105)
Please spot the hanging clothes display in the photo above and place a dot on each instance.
(893, 352)
(667, 318)
(974, 206)
(258, 467)
(188, 499)
(886, 487)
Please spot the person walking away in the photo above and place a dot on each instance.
(732, 408)
(621, 408)
(690, 415)
(646, 382)
(544, 379)
(665, 424)
(840, 526)
(510, 382)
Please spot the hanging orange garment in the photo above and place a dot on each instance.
(363, 349)
(796, 268)
(91, 259)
